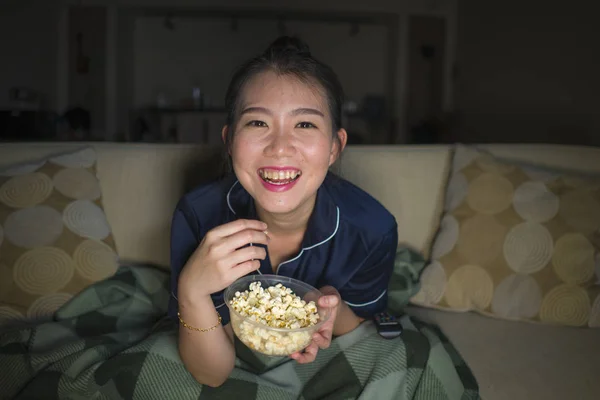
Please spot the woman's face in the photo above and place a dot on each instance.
(283, 145)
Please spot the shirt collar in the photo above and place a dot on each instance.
(322, 225)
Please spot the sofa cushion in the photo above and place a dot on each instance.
(408, 181)
(152, 177)
(518, 242)
(54, 237)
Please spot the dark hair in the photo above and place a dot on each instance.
(286, 56)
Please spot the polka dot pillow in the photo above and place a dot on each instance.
(54, 237)
(516, 242)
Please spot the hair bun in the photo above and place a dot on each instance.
(287, 44)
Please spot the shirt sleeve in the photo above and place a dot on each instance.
(186, 235)
(366, 292)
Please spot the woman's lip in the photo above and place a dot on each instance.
(279, 188)
(272, 186)
(276, 168)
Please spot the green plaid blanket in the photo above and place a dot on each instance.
(112, 341)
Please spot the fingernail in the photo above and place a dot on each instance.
(267, 234)
(326, 300)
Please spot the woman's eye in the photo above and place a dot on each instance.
(305, 125)
(259, 124)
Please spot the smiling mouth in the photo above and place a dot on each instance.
(279, 177)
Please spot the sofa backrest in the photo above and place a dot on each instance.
(141, 183)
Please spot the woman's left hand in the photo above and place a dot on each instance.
(321, 338)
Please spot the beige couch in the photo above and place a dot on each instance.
(511, 360)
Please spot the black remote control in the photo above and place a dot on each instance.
(387, 325)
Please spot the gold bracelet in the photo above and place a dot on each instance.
(199, 329)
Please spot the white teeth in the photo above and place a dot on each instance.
(279, 175)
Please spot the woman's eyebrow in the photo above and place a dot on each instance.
(262, 110)
(307, 111)
(296, 112)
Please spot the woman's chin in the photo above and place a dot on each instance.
(278, 204)
(282, 202)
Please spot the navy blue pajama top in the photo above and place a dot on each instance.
(350, 242)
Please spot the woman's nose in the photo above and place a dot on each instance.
(280, 144)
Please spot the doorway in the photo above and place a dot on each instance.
(426, 58)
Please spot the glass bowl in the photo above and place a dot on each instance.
(269, 340)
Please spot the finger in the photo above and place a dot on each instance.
(329, 290)
(306, 355)
(309, 355)
(329, 301)
(327, 332)
(238, 225)
(244, 269)
(322, 340)
(243, 238)
(246, 254)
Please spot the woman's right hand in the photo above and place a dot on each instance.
(222, 257)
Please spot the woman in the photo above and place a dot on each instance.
(282, 212)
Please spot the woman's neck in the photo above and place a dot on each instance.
(292, 223)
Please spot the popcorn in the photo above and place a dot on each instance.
(277, 307)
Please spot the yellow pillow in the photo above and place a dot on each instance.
(55, 239)
(516, 242)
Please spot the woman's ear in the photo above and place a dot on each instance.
(224, 133)
(339, 143)
(225, 136)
